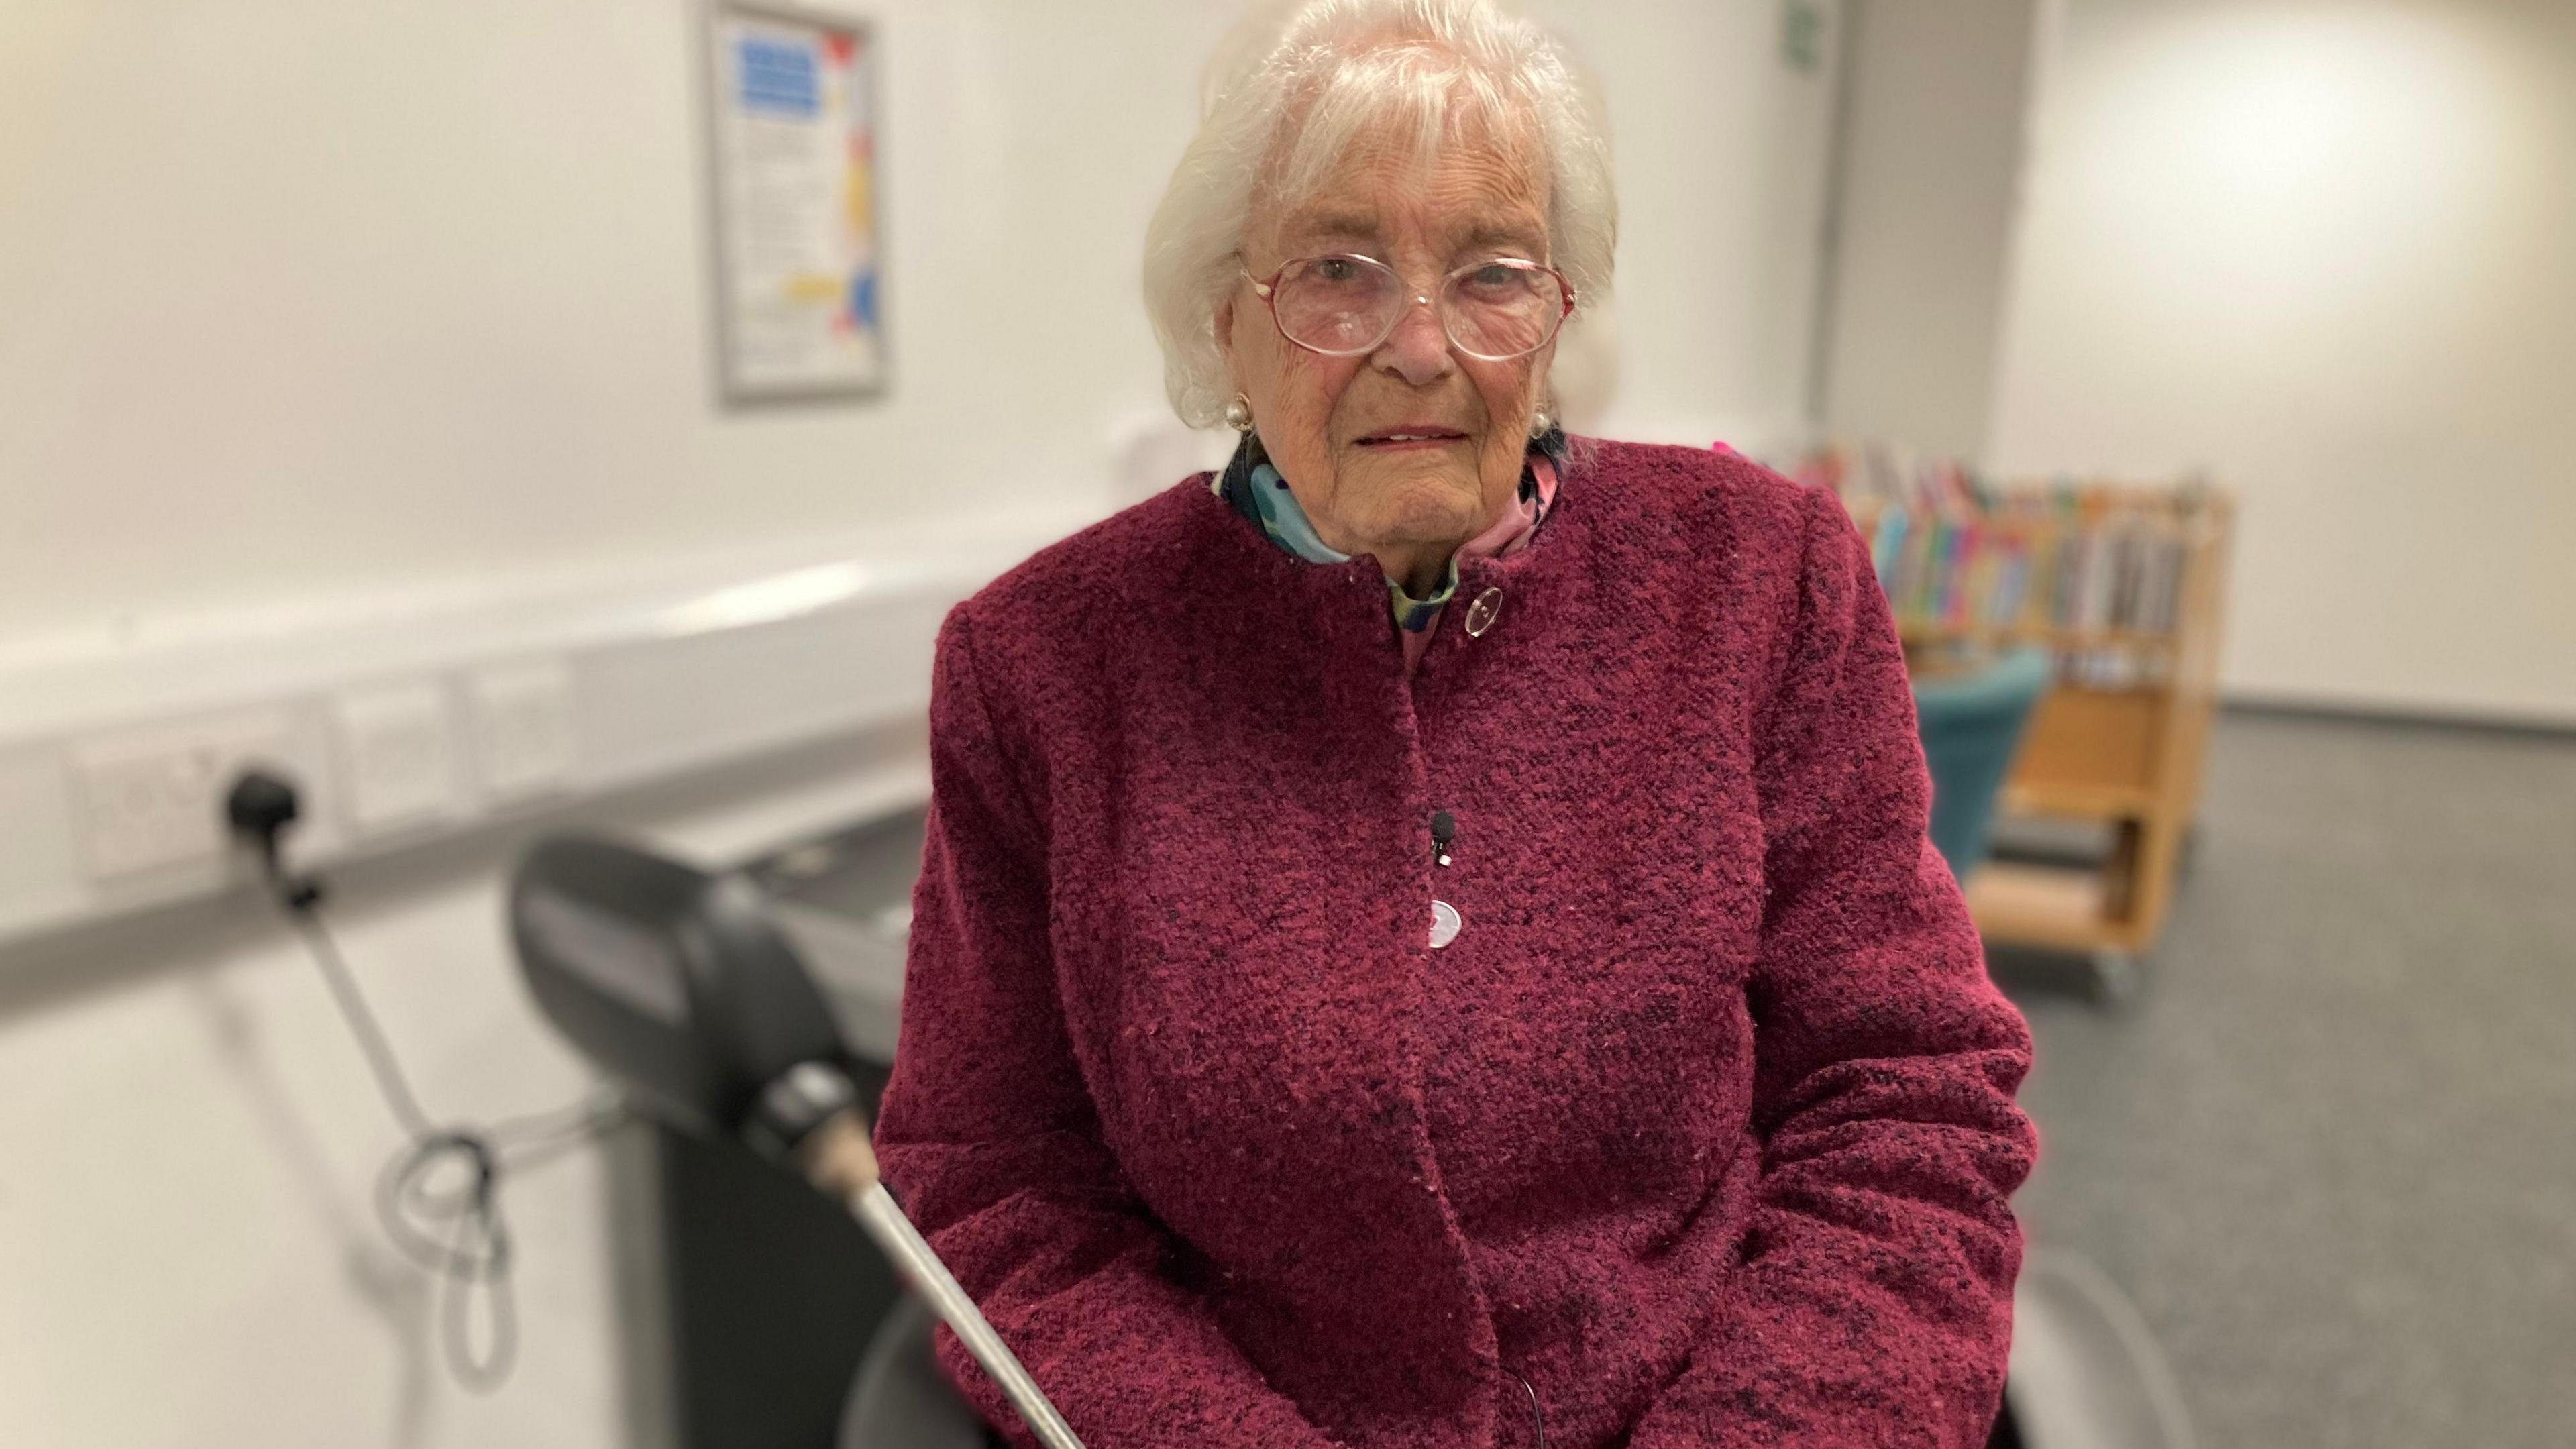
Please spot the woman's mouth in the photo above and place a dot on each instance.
(1412, 435)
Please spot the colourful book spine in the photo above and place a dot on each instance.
(1883, 549)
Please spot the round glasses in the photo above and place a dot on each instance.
(1345, 304)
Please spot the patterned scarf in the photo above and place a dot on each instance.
(1258, 495)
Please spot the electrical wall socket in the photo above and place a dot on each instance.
(150, 799)
(399, 745)
(520, 717)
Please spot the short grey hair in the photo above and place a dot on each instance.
(1344, 66)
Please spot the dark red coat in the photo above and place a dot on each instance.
(1704, 1124)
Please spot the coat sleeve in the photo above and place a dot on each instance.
(1872, 1304)
(990, 1141)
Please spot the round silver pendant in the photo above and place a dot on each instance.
(1480, 614)
(1444, 924)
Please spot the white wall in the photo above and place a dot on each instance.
(309, 306)
(2321, 248)
(311, 298)
(1932, 163)
(1721, 151)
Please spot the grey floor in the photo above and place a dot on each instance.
(2330, 1147)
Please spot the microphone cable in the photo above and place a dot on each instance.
(438, 1199)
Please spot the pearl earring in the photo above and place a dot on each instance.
(1540, 422)
(1238, 414)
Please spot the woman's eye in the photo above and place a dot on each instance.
(1495, 274)
(1337, 269)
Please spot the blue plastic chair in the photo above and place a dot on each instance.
(1971, 723)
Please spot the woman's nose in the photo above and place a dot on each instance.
(1417, 350)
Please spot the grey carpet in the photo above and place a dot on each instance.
(2330, 1148)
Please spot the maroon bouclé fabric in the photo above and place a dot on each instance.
(1703, 1125)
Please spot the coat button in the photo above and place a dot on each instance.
(1480, 614)
(1444, 924)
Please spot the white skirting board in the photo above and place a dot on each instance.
(407, 718)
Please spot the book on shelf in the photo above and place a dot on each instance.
(2090, 569)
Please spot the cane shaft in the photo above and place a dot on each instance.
(837, 1157)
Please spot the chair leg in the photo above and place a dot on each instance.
(2114, 977)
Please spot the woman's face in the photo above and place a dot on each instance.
(1324, 421)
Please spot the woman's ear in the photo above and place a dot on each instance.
(1225, 330)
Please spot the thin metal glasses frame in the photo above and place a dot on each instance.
(1267, 289)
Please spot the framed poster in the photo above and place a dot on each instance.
(798, 292)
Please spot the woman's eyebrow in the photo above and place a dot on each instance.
(1339, 225)
(1518, 238)
(1505, 236)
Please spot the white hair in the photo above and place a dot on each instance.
(1346, 67)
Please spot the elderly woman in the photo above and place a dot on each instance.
(1427, 937)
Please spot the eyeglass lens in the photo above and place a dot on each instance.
(1349, 304)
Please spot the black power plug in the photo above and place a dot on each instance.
(260, 807)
